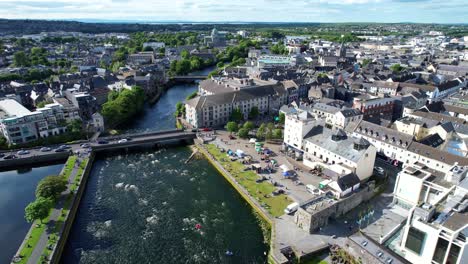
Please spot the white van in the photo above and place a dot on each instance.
(291, 208)
(312, 189)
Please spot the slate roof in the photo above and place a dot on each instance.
(236, 96)
(322, 136)
(390, 136)
(437, 154)
(432, 140)
(448, 85)
(347, 181)
(439, 117)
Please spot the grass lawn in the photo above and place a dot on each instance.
(32, 239)
(37, 231)
(273, 204)
(69, 166)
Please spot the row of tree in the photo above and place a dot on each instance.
(47, 192)
(121, 107)
(264, 131)
(188, 64)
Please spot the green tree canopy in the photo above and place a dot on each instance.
(124, 106)
(243, 133)
(254, 112)
(20, 59)
(249, 125)
(282, 118)
(261, 131)
(277, 133)
(75, 126)
(231, 126)
(192, 95)
(236, 115)
(38, 210)
(51, 187)
(397, 68)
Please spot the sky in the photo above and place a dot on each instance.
(418, 11)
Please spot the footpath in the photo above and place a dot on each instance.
(53, 225)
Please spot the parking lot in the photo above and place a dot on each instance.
(295, 191)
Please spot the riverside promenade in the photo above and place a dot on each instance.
(42, 240)
(275, 254)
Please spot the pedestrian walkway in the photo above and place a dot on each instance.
(54, 216)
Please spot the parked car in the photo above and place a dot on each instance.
(45, 149)
(2, 155)
(85, 145)
(292, 208)
(124, 140)
(379, 170)
(64, 147)
(22, 152)
(103, 142)
(60, 150)
(206, 129)
(10, 156)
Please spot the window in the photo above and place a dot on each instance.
(453, 254)
(441, 249)
(415, 240)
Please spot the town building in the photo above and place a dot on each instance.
(437, 223)
(214, 110)
(19, 125)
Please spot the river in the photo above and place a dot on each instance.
(16, 191)
(145, 207)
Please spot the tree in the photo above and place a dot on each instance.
(268, 134)
(243, 133)
(282, 118)
(123, 106)
(261, 131)
(185, 55)
(51, 187)
(277, 133)
(20, 59)
(75, 126)
(249, 125)
(254, 112)
(236, 115)
(366, 62)
(38, 210)
(270, 126)
(192, 95)
(183, 66)
(180, 109)
(3, 141)
(232, 127)
(396, 68)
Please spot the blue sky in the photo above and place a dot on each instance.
(423, 11)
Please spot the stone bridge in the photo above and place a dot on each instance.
(36, 156)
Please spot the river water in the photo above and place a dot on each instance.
(145, 207)
(16, 191)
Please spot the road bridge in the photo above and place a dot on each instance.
(125, 141)
(189, 78)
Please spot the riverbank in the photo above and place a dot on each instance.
(274, 255)
(44, 241)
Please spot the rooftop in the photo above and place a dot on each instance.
(13, 108)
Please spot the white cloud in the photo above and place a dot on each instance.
(241, 10)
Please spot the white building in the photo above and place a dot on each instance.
(307, 133)
(19, 125)
(437, 225)
(154, 45)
